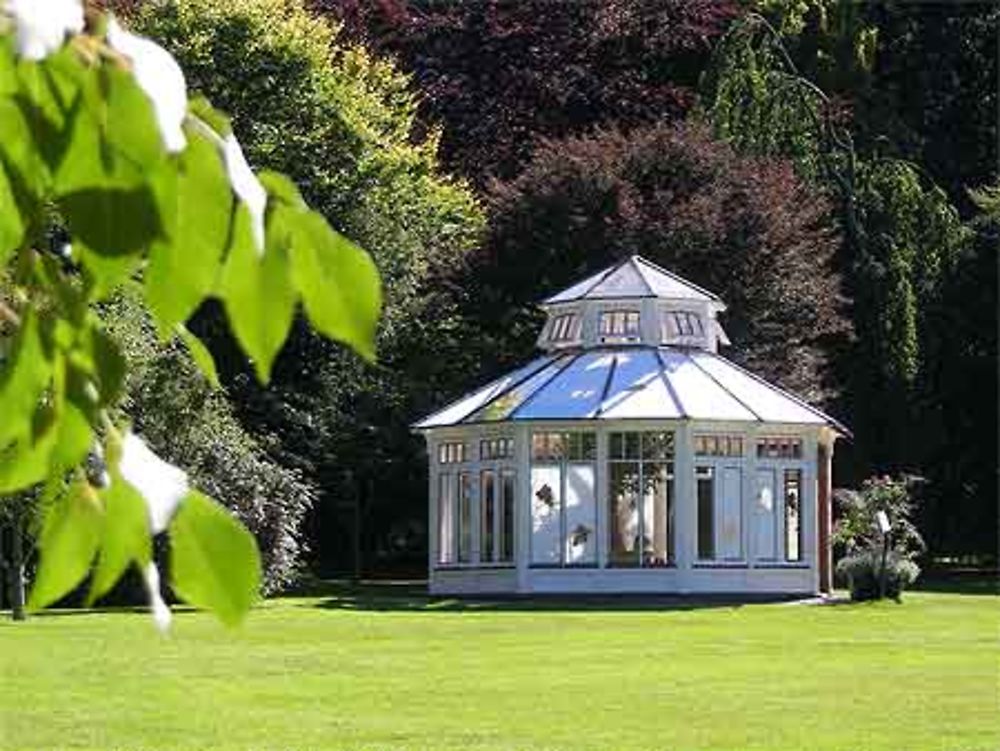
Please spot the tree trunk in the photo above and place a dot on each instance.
(3, 568)
(17, 570)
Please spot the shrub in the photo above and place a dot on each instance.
(863, 572)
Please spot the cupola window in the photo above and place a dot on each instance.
(619, 325)
(565, 328)
(681, 325)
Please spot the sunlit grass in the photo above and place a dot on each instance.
(404, 673)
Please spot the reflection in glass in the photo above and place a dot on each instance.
(623, 513)
(464, 518)
(488, 516)
(507, 478)
(793, 515)
(705, 481)
(446, 518)
(658, 510)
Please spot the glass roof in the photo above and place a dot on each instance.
(630, 383)
(633, 277)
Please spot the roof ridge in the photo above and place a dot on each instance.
(640, 261)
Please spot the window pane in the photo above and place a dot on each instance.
(657, 445)
(658, 515)
(793, 514)
(632, 324)
(507, 516)
(581, 514)
(488, 516)
(446, 518)
(464, 518)
(623, 513)
(706, 512)
(731, 515)
(616, 446)
(546, 512)
(764, 524)
(632, 445)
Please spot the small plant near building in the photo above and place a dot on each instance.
(878, 563)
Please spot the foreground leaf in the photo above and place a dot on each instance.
(258, 294)
(195, 204)
(200, 354)
(69, 540)
(125, 539)
(23, 380)
(338, 282)
(214, 561)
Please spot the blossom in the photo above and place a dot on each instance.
(159, 608)
(247, 187)
(161, 484)
(160, 77)
(42, 26)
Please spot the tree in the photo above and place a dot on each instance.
(343, 124)
(193, 425)
(905, 245)
(107, 167)
(500, 76)
(746, 228)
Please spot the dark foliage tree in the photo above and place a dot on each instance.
(501, 75)
(746, 228)
(905, 247)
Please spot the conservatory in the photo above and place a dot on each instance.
(630, 457)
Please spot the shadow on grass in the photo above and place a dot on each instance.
(413, 597)
(959, 582)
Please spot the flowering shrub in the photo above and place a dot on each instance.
(102, 148)
(858, 531)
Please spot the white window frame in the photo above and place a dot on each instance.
(563, 462)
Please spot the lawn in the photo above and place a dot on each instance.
(403, 672)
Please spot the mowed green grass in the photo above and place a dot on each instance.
(408, 673)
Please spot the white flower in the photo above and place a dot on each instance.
(247, 187)
(160, 77)
(159, 608)
(161, 484)
(42, 25)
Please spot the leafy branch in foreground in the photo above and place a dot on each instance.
(108, 170)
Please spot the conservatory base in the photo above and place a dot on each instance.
(790, 580)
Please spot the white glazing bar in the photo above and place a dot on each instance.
(684, 496)
(432, 503)
(522, 504)
(602, 498)
(750, 494)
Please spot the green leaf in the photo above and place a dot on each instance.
(125, 537)
(201, 108)
(112, 222)
(12, 225)
(200, 354)
(75, 436)
(69, 540)
(112, 140)
(258, 294)
(338, 281)
(24, 378)
(103, 273)
(214, 561)
(281, 189)
(110, 362)
(195, 203)
(48, 95)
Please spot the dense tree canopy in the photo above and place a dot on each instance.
(500, 74)
(342, 124)
(746, 228)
